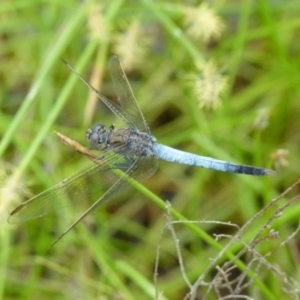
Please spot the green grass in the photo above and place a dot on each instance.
(112, 254)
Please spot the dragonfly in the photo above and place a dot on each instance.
(126, 153)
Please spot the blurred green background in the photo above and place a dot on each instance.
(219, 80)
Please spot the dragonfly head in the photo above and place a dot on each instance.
(97, 137)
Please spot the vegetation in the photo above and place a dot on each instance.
(221, 81)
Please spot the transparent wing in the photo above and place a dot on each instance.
(88, 183)
(139, 170)
(129, 106)
(128, 109)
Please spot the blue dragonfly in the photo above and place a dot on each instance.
(132, 150)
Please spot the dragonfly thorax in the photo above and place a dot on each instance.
(127, 141)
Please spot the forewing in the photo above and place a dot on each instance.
(88, 183)
(129, 106)
(127, 110)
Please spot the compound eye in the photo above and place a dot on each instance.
(100, 128)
